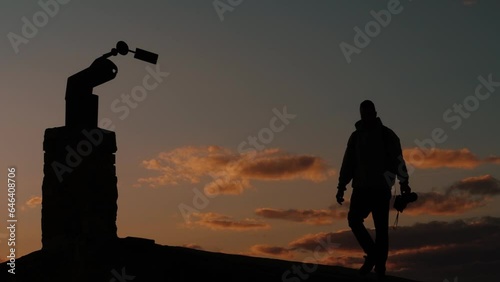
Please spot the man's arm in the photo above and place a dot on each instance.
(401, 170)
(347, 170)
(348, 164)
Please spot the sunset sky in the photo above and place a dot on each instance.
(252, 106)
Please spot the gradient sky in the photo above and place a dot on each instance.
(226, 77)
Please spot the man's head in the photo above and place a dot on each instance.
(367, 110)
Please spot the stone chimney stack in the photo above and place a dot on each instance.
(79, 200)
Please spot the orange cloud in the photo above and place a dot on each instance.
(217, 221)
(404, 238)
(467, 248)
(345, 261)
(308, 216)
(462, 196)
(436, 203)
(193, 246)
(34, 201)
(272, 251)
(352, 260)
(422, 251)
(231, 172)
(319, 242)
(440, 158)
(485, 185)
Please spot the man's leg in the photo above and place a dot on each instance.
(380, 214)
(359, 209)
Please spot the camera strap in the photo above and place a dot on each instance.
(396, 221)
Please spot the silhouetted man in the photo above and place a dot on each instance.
(372, 161)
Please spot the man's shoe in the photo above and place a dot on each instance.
(367, 266)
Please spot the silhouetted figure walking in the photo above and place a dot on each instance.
(372, 161)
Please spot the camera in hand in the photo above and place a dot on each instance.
(403, 200)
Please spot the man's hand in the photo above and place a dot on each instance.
(404, 188)
(340, 195)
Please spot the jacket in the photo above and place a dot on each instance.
(373, 158)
